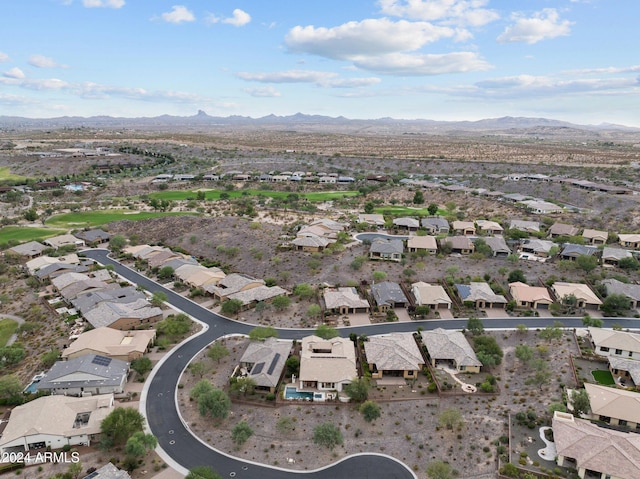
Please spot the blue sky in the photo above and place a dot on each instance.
(573, 60)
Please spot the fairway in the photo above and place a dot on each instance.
(23, 234)
(317, 196)
(94, 219)
(7, 328)
(5, 174)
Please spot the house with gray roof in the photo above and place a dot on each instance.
(572, 251)
(123, 316)
(31, 249)
(536, 246)
(612, 256)
(93, 237)
(450, 348)
(252, 296)
(436, 225)
(89, 374)
(394, 354)
(113, 293)
(480, 295)
(498, 246)
(385, 249)
(410, 224)
(629, 290)
(264, 362)
(626, 373)
(388, 295)
(56, 269)
(526, 226)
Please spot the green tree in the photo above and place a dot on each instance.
(541, 375)
(241, 433)
(74, 469)
(327, 435)
(120, 425)
(31, 215)
(488, 350)
(587, 262)
(314, 311)
(243, 386)
(231, 307)
(370, 411)
(517, 276)
(217, 351)
(379, 276)
(10, 355)
(175, 326)
(139, 444)
(201, 387)
(260, 333)
(450, 418)
(304, 291)
(214, 403)
(369, 207)
(158, 298)
(358, 389)
(166, 272)
(49, 358)
(198, 368)
(203, 472)
(551, 332)
(418, 197)
(614, 304)
(286, 425)
(580, 401)
(141, 365)
(326, 332)
(481, 247)
(357, 263)
(630, 263)
(475, 326)
(524, 353)
(293, 365)
(281, 302)
(432, 209)
(439, 470)
(10, 386)
(117, 242)
(592, 322)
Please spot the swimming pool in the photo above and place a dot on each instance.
(31, 388)
(291, 393)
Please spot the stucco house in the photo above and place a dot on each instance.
(31, 249)
(432, 295)
(480, 295)
(612, 256)
(629, 290)
(388, 295)
(394, 354)
(435, 225)
(537, 246)
(233, 283)
(626, 372)
(524, 225)
(387, 250)
(264, 362)
(123, 316)
(427, 244)
(629, 240)
(586, 298)
(451, 348)
(407, 223)
(93, 237)
(111, 343)
(464, 228)
(595, 237)
(609, 342)
(64, 240)
(457, 244)
(327, 364)
(498, 245)
(562, 229)
(373, 219)
(344, 300)
(534, 297)
(490, 228)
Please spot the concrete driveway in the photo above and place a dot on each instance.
(359, 319)
(403, 315)
(496, 313)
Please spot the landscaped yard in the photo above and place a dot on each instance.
(318, 196)
(22, 234)
(5, 174)
(603, 376)
(7, 328)
(94, 219)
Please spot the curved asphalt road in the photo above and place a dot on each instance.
(182, 446)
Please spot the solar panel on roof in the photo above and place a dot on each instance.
(101, 361)
(274, 361)
(257, 369)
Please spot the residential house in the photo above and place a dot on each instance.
(252, 296)
(451, 348)
(464, 228)
(585, 297)
(123, 316)
(608, 342)
(541, 207)
(457, 244)
(480, 295)
(394, 354)
(562, 229)
(428, 244)
(327, 364)
(94, 237)
(534, 297)
(32, 249)
(629, 240)
(436, 225)
(327, 180)
(70, 285)
(571, 251)
(612, 256)
(38, 263)
(537, 246)
(53, 422)
(158, 260)
(498, 245)
(108, 471)
(629, 290)
(111, 343)
(526, 226)
(432, 295)
(385, 249)
(626, 372)
(233, 283)
(325, 227)
(113, 293)
(373, 219)
(310, 243)
(490, 228)
(54, 270)
(388, 295)
(595, 451)
(595, 237)
(264, 362)
(89, 374)
(64, 240)
(199, 276)
(344, 300)
(410, 224)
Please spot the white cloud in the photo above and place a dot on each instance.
(351, 82)
(368, 37)
(543, 25)
(321, 79)
(423, 64)
(591, 71)
(263, 92)
(457, 12)
(14, 73)
(178, 14)
(40, 61)
(4, 57)
(239, 18)
(103, 3)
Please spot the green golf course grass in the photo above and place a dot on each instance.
(317, 196)
(5, 174)
(22, 234)
(93, 219)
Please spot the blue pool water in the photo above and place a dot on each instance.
(291, 393)
(31, 388)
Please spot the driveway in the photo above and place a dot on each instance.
(359, 319)
(445, 314)
(496, 313)
(403, 315)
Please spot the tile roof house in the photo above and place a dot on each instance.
(344, 300)
(88, 374)
(612, 256)
(123, 316)
(451, 348)
(457, 244)
(56, 269)
(93, 237)
(108, 471)
(197, 276)
(31, 249)
(310, 243)
(327, 364)
(394, 354)
(384, 249)
(527, 226)
(629, 240)
(562, 229)
(113, 293)
(250, 297)
(595, 237)
(541, 207)
(388, 295)
(37, 264)
(158, 260)
(480, 295)
(464, 228)
(264, 362)
(435, 225)
(609, 342)
(534, 297)
(537, 246)
(111, 343)
(233, 283)
(498, 246)
(573, 251)
(422, 243)
(374, 219)
(490, 228)
(602, 451)
(76, 421)
(64, 240)
(586, 298)
(432, 295)
(411, 224)
(629, 290)
(626, 372)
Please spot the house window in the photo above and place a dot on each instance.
(622, 422)
(603, 349)
(630, 354)
(604, 418)
(618, 351)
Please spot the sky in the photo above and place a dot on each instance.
(572, 60)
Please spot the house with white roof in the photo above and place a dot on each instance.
(586, 298)
(327, 364)
(609, 342)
